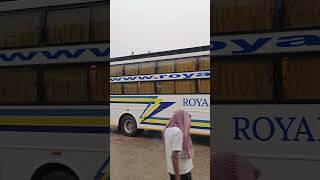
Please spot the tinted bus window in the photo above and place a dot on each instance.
(98, 83)
(68, 26)
(244, 15)
(204, 63)
(20, 29)
(130, 88)
(100, 23)
(146, 88)
(165, 87)
(18, 85)
(116, 88)
(116, 70)
(166, 66)
(301, 78)
(302, 13)
(131, 69)
(185, 86)
(243, 79)
(186, 65)
(204, 86)
(147, 68)
(67, 84)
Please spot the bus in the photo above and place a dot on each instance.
(266, 101)
(54, 90)
(146, 90)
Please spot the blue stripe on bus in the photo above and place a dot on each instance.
(158, 124)
(54, 112)
(100, 172)
(149, 104)
(193, 120)
(197, 127)
(153, 97)
(200, 121)
(56, 129)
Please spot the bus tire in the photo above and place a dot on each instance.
(128, 126)
(59, 174)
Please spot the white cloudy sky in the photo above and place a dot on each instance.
(158, 25)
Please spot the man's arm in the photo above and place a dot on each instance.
(175, 163)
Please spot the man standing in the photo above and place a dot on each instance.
(178, 146)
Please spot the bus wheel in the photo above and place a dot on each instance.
(129, 126)
(59, 175)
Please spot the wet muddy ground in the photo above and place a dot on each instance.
(142, 157)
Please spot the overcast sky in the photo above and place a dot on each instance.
(158, 25)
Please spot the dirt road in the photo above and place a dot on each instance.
(142, 158)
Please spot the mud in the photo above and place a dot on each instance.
(142, 157)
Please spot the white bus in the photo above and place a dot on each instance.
(54, 73)
(266, 101)
(147, 89)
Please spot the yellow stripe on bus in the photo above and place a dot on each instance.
(56, 121)
(152, 107)
(106, 174)
(164, 122)
(133, 99)
(161, 130)
(200, 124)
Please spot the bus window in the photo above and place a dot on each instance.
(98, 86)
(116, 88)
(68, 26)
(146, 88)
(130, 88)
(131, 69)
(301, 78)
(116, 70)
(147, 68)
(186, 65)
(66, 84)
(18, 85)
(204, 86)
(166, 66)
(243, 79)
(204, 63)
(165, 87)
(185, 86)
(302, 13)
(100, 23)
(244, 15)
(20, 29)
